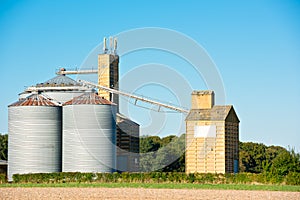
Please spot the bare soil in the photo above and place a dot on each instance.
(140, 193)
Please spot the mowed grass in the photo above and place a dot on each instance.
(164, 185)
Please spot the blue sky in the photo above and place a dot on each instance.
(254, 44)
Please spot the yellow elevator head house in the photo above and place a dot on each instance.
(108, 70)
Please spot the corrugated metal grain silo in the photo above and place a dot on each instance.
(89, 134)
(34, 136)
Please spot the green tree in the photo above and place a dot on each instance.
(149, 143)
(172, 154)
(166, 140)
(162, 154)
(285, 162)
(252, 156)
(273, 151)
(146, 161)
(274, 161)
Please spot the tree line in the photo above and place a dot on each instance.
(253, 157)
(167, 154)
(271, 160)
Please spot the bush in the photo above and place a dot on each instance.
(293, 178)
(3, 178)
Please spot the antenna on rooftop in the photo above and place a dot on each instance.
(111, 44)
(115, 45)
(104, 45)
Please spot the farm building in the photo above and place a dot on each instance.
(212, 136)
(47, 125)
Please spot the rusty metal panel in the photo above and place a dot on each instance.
(88, 98)
(35, 100)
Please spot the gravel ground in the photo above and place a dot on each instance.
(139, 193)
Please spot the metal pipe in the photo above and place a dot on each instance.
(178, 109)
(89, 71)
(45, 88)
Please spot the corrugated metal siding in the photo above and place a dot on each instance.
(89, 138)
(34, 142)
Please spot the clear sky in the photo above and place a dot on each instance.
(254, 44)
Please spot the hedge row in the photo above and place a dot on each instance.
(157, 177)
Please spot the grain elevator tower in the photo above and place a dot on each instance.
(128, 131)
(108, 70)
(212, 136)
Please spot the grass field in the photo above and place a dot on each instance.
(164, 185)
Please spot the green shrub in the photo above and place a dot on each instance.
(191, 178)
(243, 178)
(293, 178)
(3, 178)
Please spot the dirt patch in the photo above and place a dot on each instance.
(139, 193)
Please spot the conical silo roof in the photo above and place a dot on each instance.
(61, 80)
(89, 98)
(35, 100)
